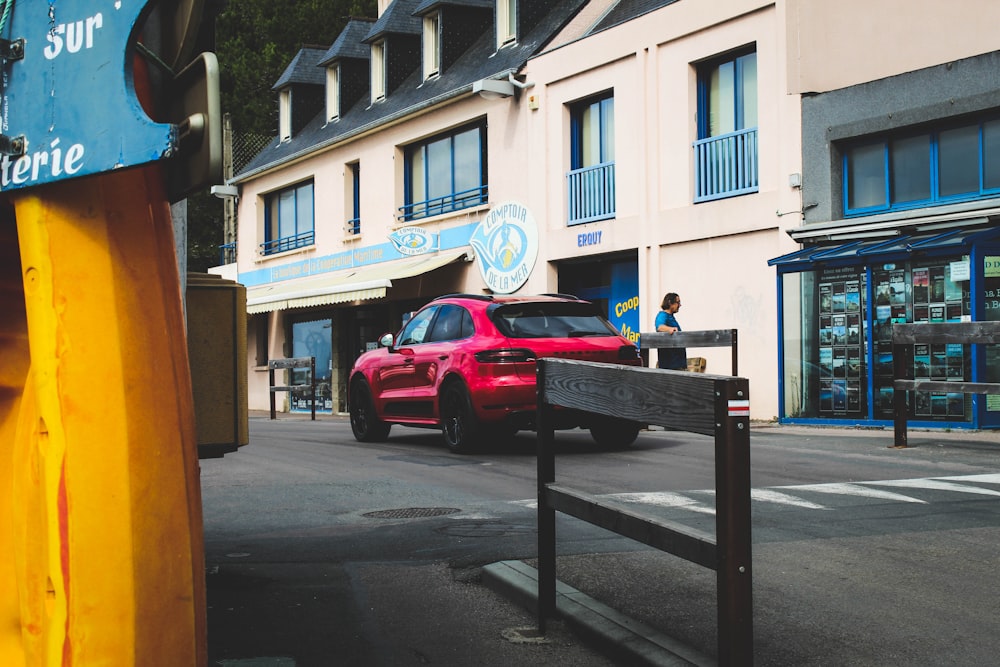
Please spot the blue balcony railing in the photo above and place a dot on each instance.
(288, 243)
(591, 193)
(726, 165)
(453, 202)
(227, 253)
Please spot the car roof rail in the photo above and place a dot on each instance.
(563, 296)
(459, 295)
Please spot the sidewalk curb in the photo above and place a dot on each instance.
(621, 637)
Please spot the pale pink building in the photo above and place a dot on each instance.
(625, 149)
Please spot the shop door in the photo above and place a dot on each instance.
(313, 339)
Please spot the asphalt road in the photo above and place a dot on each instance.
(324, 551)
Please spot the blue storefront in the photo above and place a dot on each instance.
(838, 302)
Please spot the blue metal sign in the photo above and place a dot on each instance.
(68, 105)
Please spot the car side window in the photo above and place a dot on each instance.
(450, 324)
(415, 331)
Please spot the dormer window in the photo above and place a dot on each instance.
(285, 114)
(432, 45)
(506, 22)
(332, 93)
(378, 71)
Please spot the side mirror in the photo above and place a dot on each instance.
(385, 340)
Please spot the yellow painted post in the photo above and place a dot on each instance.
(101, 545)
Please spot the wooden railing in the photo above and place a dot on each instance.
(708, 404)
(905, 336)
(693, 339)
(293, 363)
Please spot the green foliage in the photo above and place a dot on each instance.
(255, 41)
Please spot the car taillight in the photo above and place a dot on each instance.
(628, 353)
(505, 356)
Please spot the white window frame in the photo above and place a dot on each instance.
(506, 22)
(432, 45)
(378, 70)
(332, 93)
(285, 114)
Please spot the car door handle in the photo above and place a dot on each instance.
(443, 357)
(408, 362)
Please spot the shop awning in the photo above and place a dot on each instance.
(368, 282)
(855, 252)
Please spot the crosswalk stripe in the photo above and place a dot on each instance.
(936, 484)
(786, 495)
(846, 489)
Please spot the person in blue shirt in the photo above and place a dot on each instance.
(673, 358)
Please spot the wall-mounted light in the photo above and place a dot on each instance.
(492, 89)
(495, 89)
(223, 191)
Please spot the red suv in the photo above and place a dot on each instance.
(466, 364)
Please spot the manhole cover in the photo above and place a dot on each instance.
(411, 512)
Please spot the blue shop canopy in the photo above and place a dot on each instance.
(861, 252)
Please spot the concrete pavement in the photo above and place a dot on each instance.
(423, 613)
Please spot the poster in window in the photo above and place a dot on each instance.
(885, 400)
(939, 362)
(839, 298)
(937, 284)
(826, 395)
(939, 405)
(883, 323)
(839, 326)
(921, 313)
(955, 312)
(853, 362)
(922, 360)
(921, 404)
(825, 298)
(826, 362)
(839, 395)
(825, 330)
(956, 363)
(852, 296)
(956, 405)
(853, 396)
(854, 329)
(921, 285)
(897, 287)
(839, 362)
(937, 313)
(882, 297)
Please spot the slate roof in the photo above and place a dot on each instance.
(398, 18)
(626, 10)
(303, 69)
(480, 61)
(350, 42)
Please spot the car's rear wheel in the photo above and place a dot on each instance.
(365, 423)
(458, 420)
(613, 433)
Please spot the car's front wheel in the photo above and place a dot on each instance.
(613, 433)
(458, 420)
(365, 423)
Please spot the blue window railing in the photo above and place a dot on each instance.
(353, 226)
(227, 253)
(453, 202)
(726, 165)
(591, 193)
(288, 243)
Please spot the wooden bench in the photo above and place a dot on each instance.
(295, 362)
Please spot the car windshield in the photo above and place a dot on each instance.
(555, 319)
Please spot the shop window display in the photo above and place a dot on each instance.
(828, 347)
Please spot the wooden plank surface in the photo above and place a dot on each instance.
(675, 399)
(946, 332)
(707, 338)
(298, 362)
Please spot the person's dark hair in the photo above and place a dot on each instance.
(670, 299)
